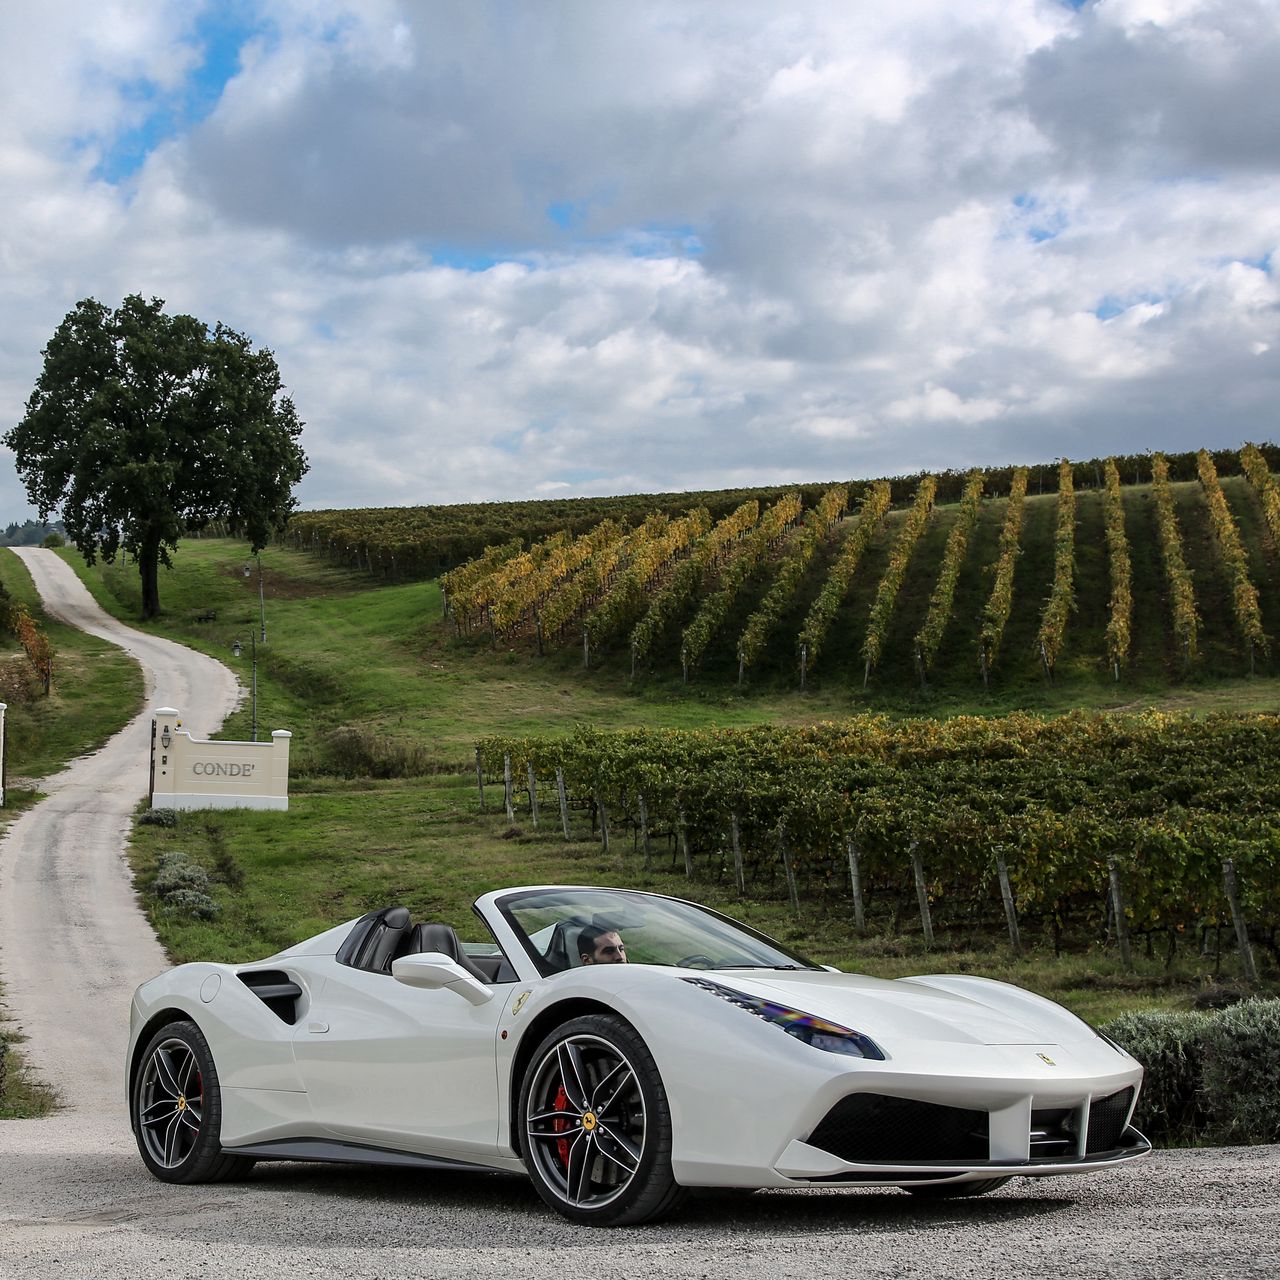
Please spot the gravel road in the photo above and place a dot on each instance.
(75, 1201)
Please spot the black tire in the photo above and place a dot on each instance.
(954, 1190)
(175, 1104)
(594, 1081)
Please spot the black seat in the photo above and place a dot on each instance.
(440, 937)
(375, 940)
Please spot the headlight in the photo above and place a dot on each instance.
(808, 1028)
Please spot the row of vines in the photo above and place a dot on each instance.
(862, 808)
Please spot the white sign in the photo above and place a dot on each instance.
(195, 773)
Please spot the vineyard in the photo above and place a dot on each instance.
(1032, 581)
(1153, 828)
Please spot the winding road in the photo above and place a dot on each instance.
(76, 1202)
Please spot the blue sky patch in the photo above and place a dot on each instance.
(219, 34)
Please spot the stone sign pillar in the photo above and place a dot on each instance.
(195, 773)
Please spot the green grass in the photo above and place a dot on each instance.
(344, 650)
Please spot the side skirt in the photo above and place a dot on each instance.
(328, 1151)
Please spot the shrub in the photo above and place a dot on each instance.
(1240, 1079)
(191, 902)
(1210, 1077)
(176, 872)
(4, 1051)
(1170, 1047)
(351, 752)
(158, 818)
(54, 539)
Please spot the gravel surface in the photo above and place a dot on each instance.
(76, 1202)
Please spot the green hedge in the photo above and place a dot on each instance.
(1210, 1077)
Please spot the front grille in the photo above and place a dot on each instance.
(869, 1128)
(1106, 1121)
(1052, 1133)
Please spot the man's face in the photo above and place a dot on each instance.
(610, 949)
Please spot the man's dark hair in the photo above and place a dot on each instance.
(588, 938)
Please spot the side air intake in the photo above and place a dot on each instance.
(276, 990)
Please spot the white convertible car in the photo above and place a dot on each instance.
(715, 1058)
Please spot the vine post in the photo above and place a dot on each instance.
(1010, 909)
(586, 649)
(792, 891)
(684, 841)
(735, 836)
(506, 787)
(564, 803)
(533, 796)
(1232, 885)
(604, 821)
(804, 663)
(1117, 907)
(644, 827)
(922, 894)
(855, 886)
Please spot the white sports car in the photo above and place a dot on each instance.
(714, 1058)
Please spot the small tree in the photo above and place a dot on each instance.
(142, 425)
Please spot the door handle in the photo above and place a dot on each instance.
(317, 1028)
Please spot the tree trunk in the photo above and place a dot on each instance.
(149, 570)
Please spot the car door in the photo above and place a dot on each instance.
(401, 1067)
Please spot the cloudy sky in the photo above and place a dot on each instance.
(509, 249)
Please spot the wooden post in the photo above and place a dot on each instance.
(922, 894)
(493, 631)
(480, 778)
(920, 671)
(1044, 662)
(1237, 918)
(633, 659)
(804, 664)
(586, 648)
(1010, 911)
(564, 803)
(684, 842)
(1117, 906)
(735, 835)
(537, 629)
(855, 886)
(533, 797)
(740, 665)
(792, 891)
(604, 822)
(982, 658)
(644, 826)
(506, 787)
(866, 673)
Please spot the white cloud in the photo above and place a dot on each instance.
(502, 250)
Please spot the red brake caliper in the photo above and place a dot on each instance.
(560, 1126)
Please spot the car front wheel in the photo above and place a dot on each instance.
(595, 1125)
(177, 1109)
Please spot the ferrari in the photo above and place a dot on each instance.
(619, 1048)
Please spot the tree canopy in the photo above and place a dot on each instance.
(143, 425)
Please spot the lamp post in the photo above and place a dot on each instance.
(262, 604)
(237, 649)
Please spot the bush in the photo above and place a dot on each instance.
(1210, 1077)
(176, 872)
(53, 540)
(158, 818)
(191, 902)
(351, 752)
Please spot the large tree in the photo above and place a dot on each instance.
(144, 425)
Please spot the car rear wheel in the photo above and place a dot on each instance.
(954, 1190)
(176, 1107)
(595, 1125)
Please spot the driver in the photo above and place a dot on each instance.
(601, 946)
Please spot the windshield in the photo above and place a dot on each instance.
(551, 923)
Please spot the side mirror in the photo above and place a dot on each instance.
(433, 970)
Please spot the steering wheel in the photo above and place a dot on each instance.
(698, 961)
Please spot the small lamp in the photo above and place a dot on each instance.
(235, 648)
(166, 738)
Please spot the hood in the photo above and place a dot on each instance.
(902, 1008)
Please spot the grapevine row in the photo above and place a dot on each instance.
(790, 576)
(672, 599)
(1053, 622)
(1166, 796)
(995, 616)
(1121, 610)
(939, 614)
(895, 572)
(823, 610)
(716, 605)
(1182, 601)
(1264, 485)
(1244, 595)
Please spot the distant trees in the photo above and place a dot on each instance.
(143, 424)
